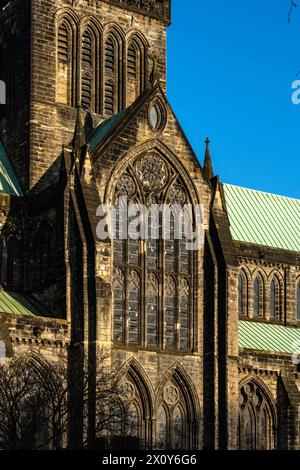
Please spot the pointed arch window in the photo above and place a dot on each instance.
(87, 70)
(65, 89)
(163, 264)
(136, 61)
(258, 299)
(175, 417)
(298, 301)
(243, 294)
(275, 298)
(256, 419)
(113, 94)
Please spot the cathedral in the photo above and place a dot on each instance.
(205, 342)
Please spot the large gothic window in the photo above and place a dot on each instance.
(157, 305)
(66, 37)
(298, 301)
(275, 298)
(256, 419)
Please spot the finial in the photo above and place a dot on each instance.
(207, 167)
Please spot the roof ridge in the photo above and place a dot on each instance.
(261, 192)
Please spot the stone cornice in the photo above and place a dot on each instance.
(154, 8)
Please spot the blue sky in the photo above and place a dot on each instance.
(231, 64)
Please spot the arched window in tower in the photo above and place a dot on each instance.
(87, 70)
(243, 294)
(298, 301)
(258, 294)
(132, 70)
(275, 298)
(152, 309)
(65, 89)
(119, 305)
(256, 419)
(113, 99)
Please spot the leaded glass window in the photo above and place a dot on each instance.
(170, 313)
(119, 304)
(134, 308)
(159, 260)
(152, 310)
(184, 310)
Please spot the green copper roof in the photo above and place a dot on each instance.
(100, 132)
(266, 337)
(13, 303)
(263, 218)
(8, 181)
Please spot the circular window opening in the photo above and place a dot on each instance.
(157, 116)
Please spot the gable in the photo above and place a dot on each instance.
(131, 128)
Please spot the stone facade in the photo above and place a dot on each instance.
(76, 64)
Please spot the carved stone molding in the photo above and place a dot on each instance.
(152, 172)
(171, 394)
(127, 390)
